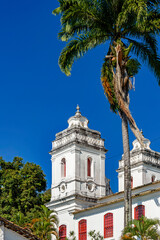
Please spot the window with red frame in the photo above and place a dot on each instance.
(63, 167)
(131, 182)
(82, 227)
(139, 211)
(108, 225)
(62, 232)
(89, 167)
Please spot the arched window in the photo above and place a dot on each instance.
(108, 225)
(62, 232)
(82, 228)
(89, 162)
(153, 178)
(131, 182)
(63, 167)
(139, 211)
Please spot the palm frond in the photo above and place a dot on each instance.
(81, 16)
(152, 23)
(56, 11)
(78, 47)
(148, 39)
(132, 8)
(144, 227)
(146, 55)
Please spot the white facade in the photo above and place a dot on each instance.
(7, 234)
(79, 183)
(114, 204)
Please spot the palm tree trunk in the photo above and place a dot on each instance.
(123, 99)
(127, 171)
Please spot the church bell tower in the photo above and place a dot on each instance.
(78, 165)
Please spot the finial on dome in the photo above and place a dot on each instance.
(78, 120)
(77, 108)
(78, 113)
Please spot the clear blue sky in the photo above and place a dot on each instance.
(36, 99)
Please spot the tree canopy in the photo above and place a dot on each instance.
(89, 23)
(45, 225)
(21, 190)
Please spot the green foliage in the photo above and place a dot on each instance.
(89, 23)
(77, 48)
(95, 235)
(92, 234)
(132, 67)
(71, 236)
(19, 219)
(46, 196)
(143, 228)
(45, 225)
(20, 189)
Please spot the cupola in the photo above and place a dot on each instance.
(78, 120)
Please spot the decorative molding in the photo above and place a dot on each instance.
(146, 157)
(76, 180)
(77, 137)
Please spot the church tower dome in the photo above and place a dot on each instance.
(78, 120)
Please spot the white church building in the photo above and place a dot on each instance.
(80, 192)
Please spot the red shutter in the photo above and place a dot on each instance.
(62, 232)
(82, 227)
(64, 168)
(108, 225)
(131, 182)
(139, 211)
(89, 167)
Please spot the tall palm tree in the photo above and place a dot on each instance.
(144, 229)
(130, 27)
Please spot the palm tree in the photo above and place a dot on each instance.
(19, 219)
(144, 229)
(45, 225)
(130, 27)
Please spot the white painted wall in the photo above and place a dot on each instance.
(76, 180)
(2, 232)
(95, 217)
(141, 175)
(7, 234)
